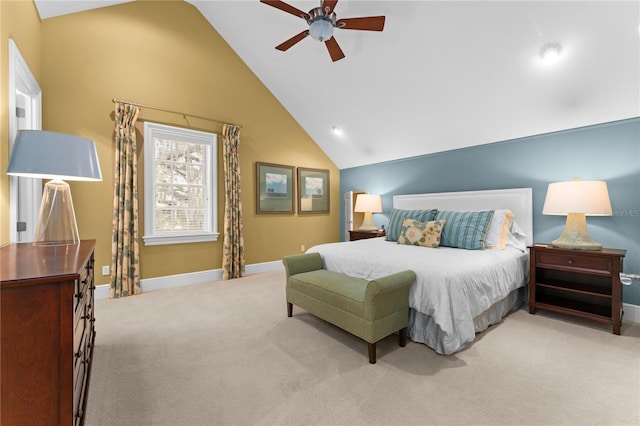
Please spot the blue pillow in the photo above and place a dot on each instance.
(467, 230)
(397, 216)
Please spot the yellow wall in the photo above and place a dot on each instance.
(166, 54)
(19, 21)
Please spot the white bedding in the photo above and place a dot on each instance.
(453, 286)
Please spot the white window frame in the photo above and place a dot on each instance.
(152, 131)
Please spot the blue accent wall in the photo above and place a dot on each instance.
(609, 152)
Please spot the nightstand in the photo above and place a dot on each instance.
(583, 283)
(361, 235)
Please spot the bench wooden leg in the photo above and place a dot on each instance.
(403, 337)
(372, 353)
(289, 309)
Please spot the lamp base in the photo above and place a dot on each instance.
(575, 234)
(57, 219)
(368, 224)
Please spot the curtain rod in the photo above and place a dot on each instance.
(185, 115)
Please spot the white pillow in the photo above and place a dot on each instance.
(517, 238)
(498, 229)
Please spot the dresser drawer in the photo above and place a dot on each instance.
(80, 294)
(592, 263)
(79, 392)
(79, 344)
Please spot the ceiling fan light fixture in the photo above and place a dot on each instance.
(321, 29)
(550, 52)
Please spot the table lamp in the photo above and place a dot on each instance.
(57, 156)
(577, 199)
(368, 204)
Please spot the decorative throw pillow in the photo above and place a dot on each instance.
(398, 215)
(467, 230)
(426, 234)
(499, 229)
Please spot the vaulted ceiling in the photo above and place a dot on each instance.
(442, 75)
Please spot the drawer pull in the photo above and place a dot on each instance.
(78, 354)
(79, 295)
(85, 281)
(570, 261)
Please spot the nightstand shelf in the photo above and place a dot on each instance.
(578, 288)
(583, 283)
(570, 306)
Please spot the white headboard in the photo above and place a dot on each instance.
(518, 200)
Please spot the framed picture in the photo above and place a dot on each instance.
(274, 188)
(313, 190)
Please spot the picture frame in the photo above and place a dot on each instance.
(275, 188)
(313, 191)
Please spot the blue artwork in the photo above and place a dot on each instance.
(313, 187)
(275, 185)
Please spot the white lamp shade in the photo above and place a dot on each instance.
(578, 196)
(368, 203)
(51, 155)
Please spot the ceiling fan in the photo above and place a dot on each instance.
(322, 21)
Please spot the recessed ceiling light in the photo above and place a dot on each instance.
(550, 52)
(336, 131)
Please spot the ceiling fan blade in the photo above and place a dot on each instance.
(369, 23)
(334, 50)
(331, 4)
(287, 8)
(293, 40)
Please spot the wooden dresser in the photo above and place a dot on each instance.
(47, 325)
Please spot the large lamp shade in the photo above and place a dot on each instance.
(577, 199)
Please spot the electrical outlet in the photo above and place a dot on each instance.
(105, 270)
(302, 248)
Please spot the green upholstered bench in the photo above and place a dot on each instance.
(370, 310)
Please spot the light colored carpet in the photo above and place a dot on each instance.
(226, 353)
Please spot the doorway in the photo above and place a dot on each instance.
(25, 113)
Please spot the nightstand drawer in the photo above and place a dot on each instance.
(592, 263)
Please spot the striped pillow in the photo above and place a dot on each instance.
(397, 216)
(467, 230)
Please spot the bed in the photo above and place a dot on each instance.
(458, 292)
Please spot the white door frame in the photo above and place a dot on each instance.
(25, 194)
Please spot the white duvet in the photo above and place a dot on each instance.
(453, 286)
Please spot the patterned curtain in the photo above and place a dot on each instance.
(233, 245)
(125, 274)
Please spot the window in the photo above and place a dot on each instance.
(180, 203)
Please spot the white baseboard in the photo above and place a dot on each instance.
(180, 280)
(631, 313)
